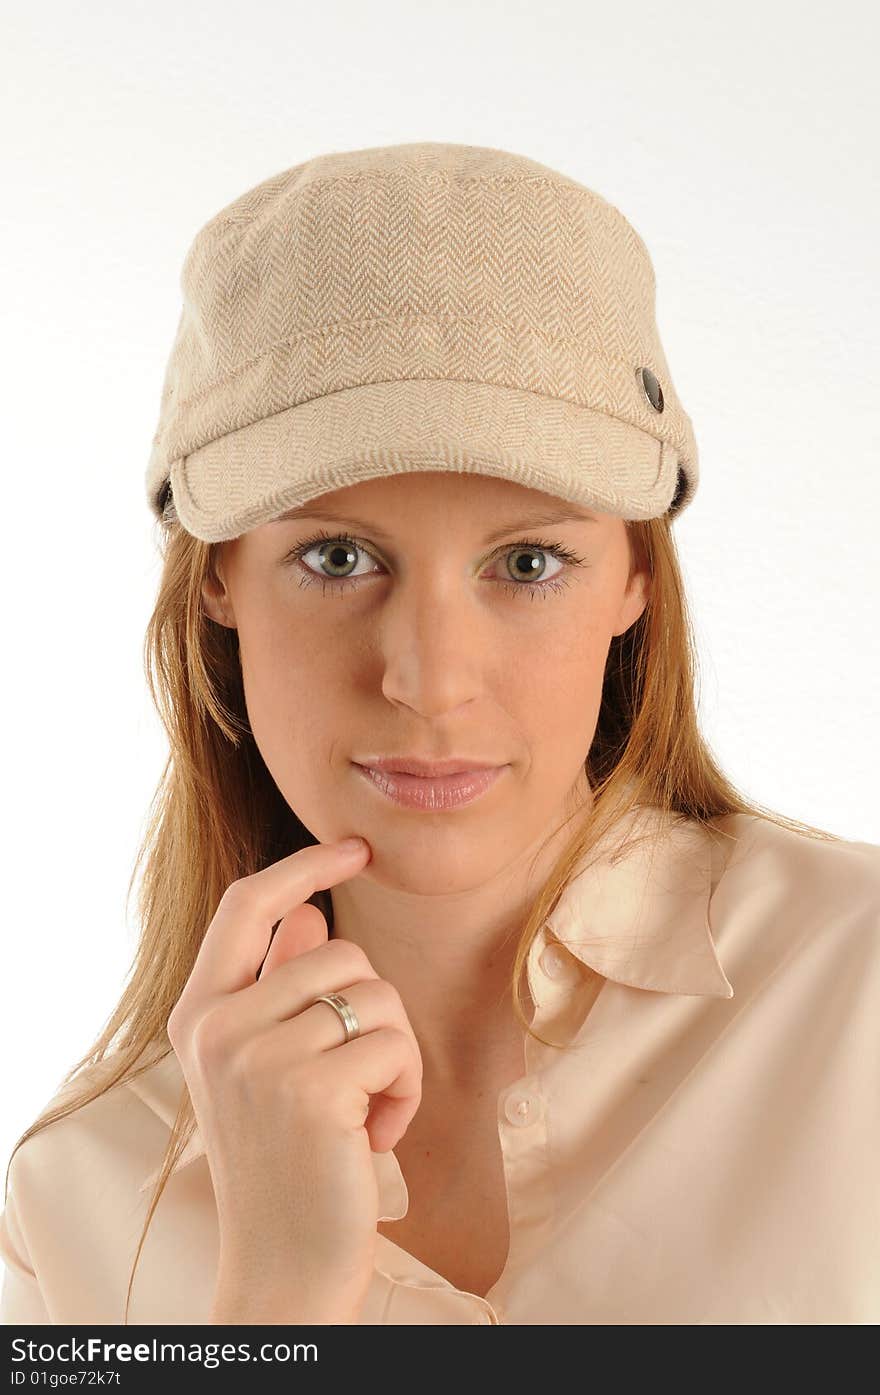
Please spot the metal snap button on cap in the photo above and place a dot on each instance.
(651, 388)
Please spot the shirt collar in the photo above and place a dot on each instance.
(637, 913)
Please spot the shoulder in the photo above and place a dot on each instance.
(110, 1140)
(777, 862)
(782, 896)
(73, 1204)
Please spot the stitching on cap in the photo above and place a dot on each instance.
(340, 325)
(350, 387)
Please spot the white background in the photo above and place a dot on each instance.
(741, 143)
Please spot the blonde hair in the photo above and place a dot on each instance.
(217, 815)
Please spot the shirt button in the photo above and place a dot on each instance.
(555, 961)
(521, 1108)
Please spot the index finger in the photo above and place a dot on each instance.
(237, 939)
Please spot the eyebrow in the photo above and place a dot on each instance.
(538, 520)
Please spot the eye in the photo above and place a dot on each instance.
(339, 553)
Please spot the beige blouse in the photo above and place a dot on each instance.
(706, 1152)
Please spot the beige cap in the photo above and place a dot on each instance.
(417, 307)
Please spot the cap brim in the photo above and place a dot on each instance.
(248, 476)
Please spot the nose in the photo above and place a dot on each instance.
(435, 643)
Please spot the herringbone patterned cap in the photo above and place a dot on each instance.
(417, 307)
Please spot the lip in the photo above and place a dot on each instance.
(432, 794)
(412, 765)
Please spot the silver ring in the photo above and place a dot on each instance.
(345, 1011)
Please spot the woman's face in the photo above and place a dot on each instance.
(459, 633)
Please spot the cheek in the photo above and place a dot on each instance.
(294, 698)
(563, 666)
(299, 698)
(553, 695)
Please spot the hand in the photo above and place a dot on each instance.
(288, 1110)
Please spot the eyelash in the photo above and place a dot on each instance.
(309, 578)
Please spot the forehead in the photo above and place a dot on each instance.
(480, 501)
(518, 519)
(470, 494)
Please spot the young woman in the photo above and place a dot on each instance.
(574, 1032)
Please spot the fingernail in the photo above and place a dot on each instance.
(352, 844)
